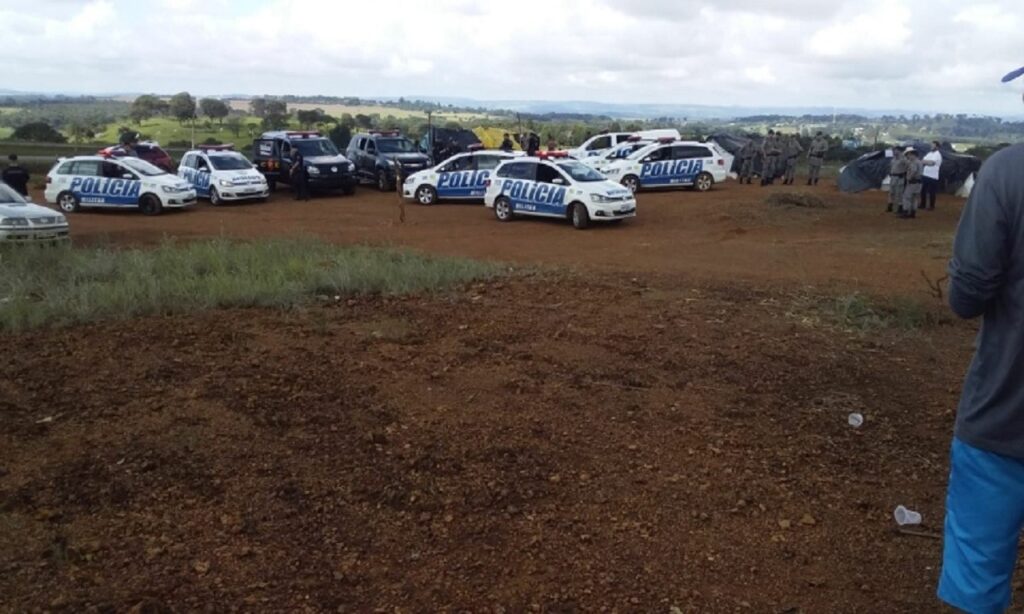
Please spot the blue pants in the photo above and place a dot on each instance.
(984, 516)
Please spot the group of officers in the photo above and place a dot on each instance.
(913, 180)
(779, 156)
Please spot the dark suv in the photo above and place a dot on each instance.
(325, 167)
(147, 150)
(381, 156)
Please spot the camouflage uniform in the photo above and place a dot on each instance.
(793, 149)
(815, 156)
(746, 157)
(771, 150)
(912, 191)
(897, 180)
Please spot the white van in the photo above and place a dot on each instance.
(602, 143)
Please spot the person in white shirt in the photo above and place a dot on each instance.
(930, 188)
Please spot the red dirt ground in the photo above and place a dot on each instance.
(659, 426)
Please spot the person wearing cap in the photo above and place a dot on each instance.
(815, 156)
(985, 497)
(16, 175)
(932, 167)
(897, 179)
(746, 157)
(300, 177)
(771, 150)
(912, 190)
(792, 149)
(506, 143)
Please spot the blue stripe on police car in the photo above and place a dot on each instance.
(535, 196)
(670, 171)
(462, 183)
(106, 190)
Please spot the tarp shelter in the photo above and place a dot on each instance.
(871, 171)
(436, 139)
(734, 143)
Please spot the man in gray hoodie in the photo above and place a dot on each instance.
(985, 501)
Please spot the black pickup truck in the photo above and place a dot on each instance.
(326, 168)
(380, 157)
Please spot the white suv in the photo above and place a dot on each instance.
(95, 181)
(554, 185)
(669, 163)
(601, 143)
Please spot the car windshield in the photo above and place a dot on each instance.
(230, 163)
(640, 153)
(580, 172)
(141, 166)
(395, 146)
(9, 197)
(312, 148)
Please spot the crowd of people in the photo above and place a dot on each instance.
(779, 156)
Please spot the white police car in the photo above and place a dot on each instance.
(221, 174)
(619, 152)
(95, 181)
(601, 143)
(22, 221)
(554, 185)
(461, 177)
(669, 163)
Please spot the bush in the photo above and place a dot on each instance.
(56, 287)
(38, 132)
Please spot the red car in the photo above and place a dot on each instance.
(147, 150)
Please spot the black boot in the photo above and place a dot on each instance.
(815, 182)
(888, 209)
(810, 181)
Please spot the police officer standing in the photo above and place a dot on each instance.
(897, 179)
(912, 191)
(771, 151)
(16, 175)
(746, 157)
(506, 143)
(815, 157)
(300, 177)
(793, 150)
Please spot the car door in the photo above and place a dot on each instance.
(187, 169)
(549, 195)
(120, 185)
(656, 168)
(456, 177)
(485, 165)
(203, 175)
(518, 179)
(85, 182)
(368, 161)
(688, 162)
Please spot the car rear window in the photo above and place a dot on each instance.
(518, 170)
(86, 168)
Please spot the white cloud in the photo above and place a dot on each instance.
(937, 55)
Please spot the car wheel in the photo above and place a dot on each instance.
(150, 205)
(426, 195)
(632, 183)
(68, 202)
(580, 216)
(382, 182)
(704, 182)
(215, 197)
(503, 209)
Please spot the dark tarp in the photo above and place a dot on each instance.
(870, 170)
(734, 143)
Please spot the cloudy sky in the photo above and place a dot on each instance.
(932, 55)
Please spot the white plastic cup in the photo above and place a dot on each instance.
(855, 420)
(905, 517)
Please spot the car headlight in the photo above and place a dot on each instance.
(410, 179)
(599, 198)
(312, 170)
(392, 163)
(11, 222)
(224, 183)
(609, 171)
(351, 166)
(170, 189)
(60, 219)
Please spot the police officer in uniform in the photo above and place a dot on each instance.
(300, 177)
(897, 179)
(746, 158)
(16, 175)
(506, 143)
(912, 191)
(815, 157)
(793, 150)
(771, 151)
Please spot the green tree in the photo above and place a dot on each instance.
(80, 133)
(38, 132)
(234, 124)
(340, 135)
(183, 107)
(147, 106)
(214, 109)
(276, 115)
(308, 118)
(364, 121)
(258, 107)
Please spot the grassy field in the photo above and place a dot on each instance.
(336, 110)
(56, 287)
(166, 130)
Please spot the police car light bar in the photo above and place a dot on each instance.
(552, 154)
(224, 147)
(475, 147)
(386, 132)
(667, 139)
(303, 133)
(636, 138)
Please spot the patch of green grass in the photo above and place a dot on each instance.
(57, 287)
(166, 130)
(857, 312)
